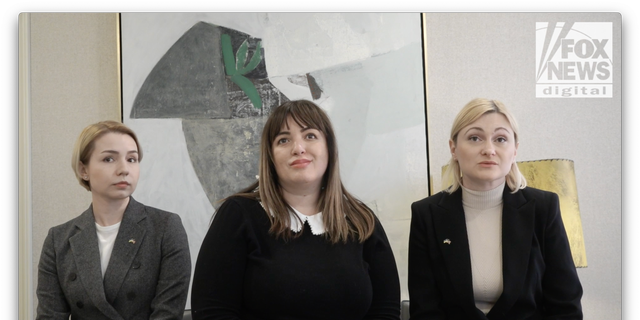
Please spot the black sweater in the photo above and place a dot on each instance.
(243, 272)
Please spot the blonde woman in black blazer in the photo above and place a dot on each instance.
(142, 270)
(488, 247)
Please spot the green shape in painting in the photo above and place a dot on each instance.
(236, 67)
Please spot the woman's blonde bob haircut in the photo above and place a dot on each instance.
(344, 216)
(85, 144)
(476, 108)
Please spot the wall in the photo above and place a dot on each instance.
(73, 70)
(73, 81)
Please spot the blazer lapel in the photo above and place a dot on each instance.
(86, 253)
(128, 241)
(518, 216)
(451, 232)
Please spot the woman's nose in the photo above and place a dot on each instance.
(488, 149)
(298, 148)
(123, 168)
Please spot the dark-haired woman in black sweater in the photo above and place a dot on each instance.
(296, 244)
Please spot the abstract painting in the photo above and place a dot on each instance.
(197, 88)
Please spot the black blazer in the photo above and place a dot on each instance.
(147, 276)
(539, 277)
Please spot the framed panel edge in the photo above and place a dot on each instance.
(25, 271)
(423, 21)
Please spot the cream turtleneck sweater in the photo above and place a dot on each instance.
(483, 217)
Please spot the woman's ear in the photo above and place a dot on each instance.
(82, 170)
(452, 148)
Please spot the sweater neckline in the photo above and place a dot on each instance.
(482, 200)
(296, 224)
(315, 222)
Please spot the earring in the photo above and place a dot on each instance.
(85, 178)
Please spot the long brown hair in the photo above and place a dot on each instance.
(344, 216)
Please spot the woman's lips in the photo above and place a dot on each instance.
(300, 163)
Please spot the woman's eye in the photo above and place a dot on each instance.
(108, 159)
(311, 136)
(283, 140)
(133, 160)
(474, 138)
(501, 139)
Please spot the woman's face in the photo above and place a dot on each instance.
(485, 151)
(112, 169)
(300, 156)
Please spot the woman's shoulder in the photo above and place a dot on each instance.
(59, 234)
(242, 202)
(433, 199)
(532, 193)
(155, 218)
(135, 206)
(240, 207)
(83, 220)
(378, 230)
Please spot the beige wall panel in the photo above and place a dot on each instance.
(74, 82)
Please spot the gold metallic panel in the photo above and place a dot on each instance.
(557, 175)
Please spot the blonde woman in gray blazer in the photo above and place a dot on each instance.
(119, 259)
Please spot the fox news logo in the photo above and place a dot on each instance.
(573, 60)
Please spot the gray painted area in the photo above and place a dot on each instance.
(241, 107)
(221, 126)
(189, 80)
(224, 153)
